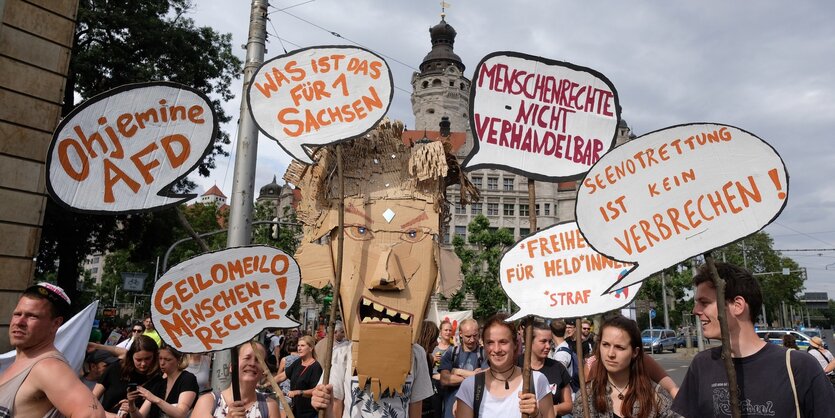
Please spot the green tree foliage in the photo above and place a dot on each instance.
(117, 43)
(480, 266)
(755, 253)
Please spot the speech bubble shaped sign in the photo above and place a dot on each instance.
(556, 274)
(678, 192)
(544, 119)
(122, 151)
(219, 300)
(320, 95)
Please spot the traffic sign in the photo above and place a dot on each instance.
(652, 313)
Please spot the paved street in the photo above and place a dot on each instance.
(674, 363)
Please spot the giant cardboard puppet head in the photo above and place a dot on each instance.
(393, 205)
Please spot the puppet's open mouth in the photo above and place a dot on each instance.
(371, 311)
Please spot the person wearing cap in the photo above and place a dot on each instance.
(40, 383)
(823, 356)
(94, 365)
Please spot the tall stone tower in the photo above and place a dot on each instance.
(440, 88)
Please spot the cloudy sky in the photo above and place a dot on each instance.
(763, 66)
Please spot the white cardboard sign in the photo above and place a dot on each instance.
(544, 119)
(219, 300)
(320, 95)
(121, 151)
(556, 274)
(679, 192)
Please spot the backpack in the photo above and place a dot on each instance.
(456, 350)
(575, 373)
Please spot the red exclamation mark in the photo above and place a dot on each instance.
(775, 178)
(282, 288)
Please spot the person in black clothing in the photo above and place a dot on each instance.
(304, 374)
(433, 405)
(558, 378)
(140, 366)
(175, 397)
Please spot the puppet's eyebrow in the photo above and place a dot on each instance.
(359, 212)
(416, 219)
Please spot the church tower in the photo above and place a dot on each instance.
(440, 88)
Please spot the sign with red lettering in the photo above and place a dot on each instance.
(544, 119)
(556, 274)
(320, 95)
(679, 192)
(219, 300)
(123, 150)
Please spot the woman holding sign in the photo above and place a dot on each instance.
(498, 391)
(621, 386)
(252, 404)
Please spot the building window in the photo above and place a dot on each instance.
(459, 209)
(509, 209)
(95, 260)
(508, 184)
(492, 209)
(523, 210)
(547, 209)
(452, 83)
(477, 181)
(537, 209)
(523, 232)
(430, 111)
(436, 83)
(460, 230)
(492, 183)
(425, 84)
(446, 239)
(476, 209)
(95, 270)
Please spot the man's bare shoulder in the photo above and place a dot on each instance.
(53, 382)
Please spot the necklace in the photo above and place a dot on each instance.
(620, 392)
(506, 384)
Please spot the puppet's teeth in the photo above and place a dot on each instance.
(378, 307)
(366, 320)
(375, 319)
(366, 302)
(405, 317)
(386, 320)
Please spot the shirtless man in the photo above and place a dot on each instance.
(40, 383)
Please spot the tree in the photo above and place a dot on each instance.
(480, 266)
(117, 43)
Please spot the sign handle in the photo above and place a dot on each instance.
(236, 385)
(719, 283)
(526, 364)
(270, 378)
(337, 282)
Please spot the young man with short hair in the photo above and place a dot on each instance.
(40, 383)
(563, 354)
(766, 387)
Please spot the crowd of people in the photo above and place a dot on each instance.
(477, 374)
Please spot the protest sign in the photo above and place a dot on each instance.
(320, 95)
(556, 274)
(544, 119)
(678, 192)
(122, 151)
(222, 299)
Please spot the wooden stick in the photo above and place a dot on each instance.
(270, 378)
(236, 385)
(581, 367)
(719, 283)
(337, 282)
(526, 364)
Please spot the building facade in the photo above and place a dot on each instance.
(440, 90)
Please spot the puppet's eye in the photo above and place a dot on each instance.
(358, 232)
(413, 235)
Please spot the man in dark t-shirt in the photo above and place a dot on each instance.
(460, 362)
(765, 388)
(558, 378)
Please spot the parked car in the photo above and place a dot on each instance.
(681, 341)
(658, 340)
(775, 336)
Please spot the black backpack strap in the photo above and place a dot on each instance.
(478, 393)
(216, 394)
